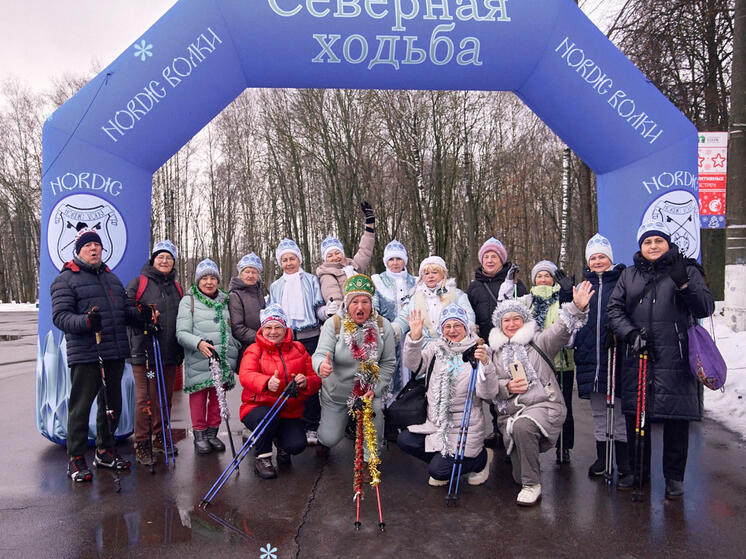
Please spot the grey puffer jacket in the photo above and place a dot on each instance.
(161, 291)
(441, 429)
(542, 403)
(244, 305)
(664, 312)
(76, 290)
(196, 322)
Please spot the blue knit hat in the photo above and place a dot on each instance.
(287, 245)
(652, 229)
(206, 268)
(331, 243)
(394, 250)
(273, 312)
(165, 246)
(454, 312)
(84, 237)
(250, 260)
(598, 244)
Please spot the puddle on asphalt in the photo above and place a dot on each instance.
(9, 337)
(172, 525)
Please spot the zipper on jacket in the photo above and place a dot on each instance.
(678, 339)
(279, 352)
(598, 333)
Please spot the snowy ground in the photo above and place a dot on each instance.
(729, 407)
(18, 307)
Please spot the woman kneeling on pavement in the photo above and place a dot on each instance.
(203, 326)
(529, 402)
(267, 367)
(449, 375)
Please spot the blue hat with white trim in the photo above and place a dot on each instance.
(331, 243)
(250, 260)
(287, 245)
(454, 312)
(165, 246)
(273, 312)
(394, 250)
(206, 268)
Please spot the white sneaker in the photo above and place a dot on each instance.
(478, 478)
(529, 495)
(437, 482)
(312, 438)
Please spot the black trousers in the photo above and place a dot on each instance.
(312, 406)
(566, 380)
(675, 447)
(288, 433)
(85, 381)
(439, 466)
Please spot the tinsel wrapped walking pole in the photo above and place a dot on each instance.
(217, 380)
(366, 434)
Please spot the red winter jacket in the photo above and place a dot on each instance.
(259, 363)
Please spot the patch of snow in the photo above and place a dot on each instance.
(729, 406)
(18, 307)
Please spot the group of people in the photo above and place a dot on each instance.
(342, 337)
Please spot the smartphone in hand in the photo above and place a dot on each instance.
(517, 371)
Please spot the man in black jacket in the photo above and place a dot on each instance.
(87, 298)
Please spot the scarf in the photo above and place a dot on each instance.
(292, 296)
(543, 308)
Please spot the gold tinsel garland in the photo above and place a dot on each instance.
(369, 430)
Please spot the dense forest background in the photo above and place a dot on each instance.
(443, 170)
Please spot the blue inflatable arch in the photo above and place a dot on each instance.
(101, 148)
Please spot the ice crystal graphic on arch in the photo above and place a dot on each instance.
(142, 50)
(268, 552)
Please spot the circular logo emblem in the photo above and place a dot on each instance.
(679, 211)
(85, 211)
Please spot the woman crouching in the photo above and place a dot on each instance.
(529, 401)
(448, 376)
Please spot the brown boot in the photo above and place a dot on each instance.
(144, 454)
(263, 467)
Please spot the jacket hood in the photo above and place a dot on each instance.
(479, 274)
(236, 284)
(150, 272)
(268, 346)
(524, 335)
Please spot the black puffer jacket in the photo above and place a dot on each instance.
(482, 293)
(673, 392)
(591, 358)
(78, 289)
(162, 291)
(244, 305)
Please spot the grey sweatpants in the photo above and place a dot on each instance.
(334, 420)
(525, 455)
(598, 407)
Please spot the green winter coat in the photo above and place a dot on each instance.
(195, 322)
(337, 387)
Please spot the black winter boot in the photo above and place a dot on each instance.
(211, 434)
(201, 445)
(626, 480)
(599, 466)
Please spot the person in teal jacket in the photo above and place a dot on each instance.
(203, 324)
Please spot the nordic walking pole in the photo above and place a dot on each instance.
(217, 381)
(291, 391)
(148, 410)
(452, 496)
(608, 469)
(109, 412)
(640, 423)
(168, 440)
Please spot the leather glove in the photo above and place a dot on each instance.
(678, 273)
(609, 340)
(146, 313)
(370, 218)
(566, 284)
(637, 341)
(93, 319)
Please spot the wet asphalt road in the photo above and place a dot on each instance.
(308, 511)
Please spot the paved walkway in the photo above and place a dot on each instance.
(308, 511)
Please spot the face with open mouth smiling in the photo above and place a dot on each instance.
(360, 308)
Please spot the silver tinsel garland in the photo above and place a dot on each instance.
(217, 380)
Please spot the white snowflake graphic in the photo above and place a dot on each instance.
(142, 50)
(150, 374)
(268, 552)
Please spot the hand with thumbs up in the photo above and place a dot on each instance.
(273, 384)
(326, 368)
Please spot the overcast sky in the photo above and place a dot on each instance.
(44, 39)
